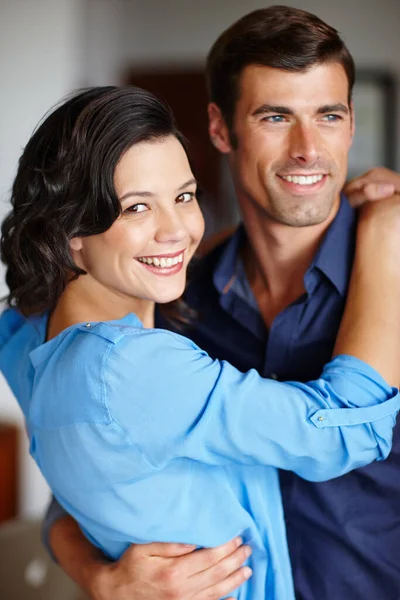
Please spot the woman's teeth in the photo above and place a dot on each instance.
(302, 179)
(162, 262)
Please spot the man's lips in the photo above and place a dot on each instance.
(303, 182)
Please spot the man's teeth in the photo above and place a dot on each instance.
(303, 179)
(163, 262)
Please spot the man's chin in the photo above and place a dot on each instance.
(305, 216)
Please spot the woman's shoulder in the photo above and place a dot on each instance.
(127, 335)
(94, 340)
(152, 347)
(98, 359)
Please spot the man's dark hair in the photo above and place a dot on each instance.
(64, 186)
(280, 37)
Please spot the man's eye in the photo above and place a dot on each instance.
(331, 118)
(136, 208)
(274, 119)
(186, 197)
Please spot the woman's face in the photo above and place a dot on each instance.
(145, 253)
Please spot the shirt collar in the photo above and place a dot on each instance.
(334, 257)
(226, 271)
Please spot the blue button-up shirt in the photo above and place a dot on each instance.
(343, 534)
(142, 436)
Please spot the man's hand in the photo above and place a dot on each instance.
(149, 571)
(172, 572)
(376, 184)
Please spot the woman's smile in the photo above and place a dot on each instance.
(167, 264)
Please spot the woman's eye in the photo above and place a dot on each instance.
(136, 208)
(186, 197)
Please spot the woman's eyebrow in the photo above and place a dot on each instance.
(186, 184)
(138, 193)
(145, 194)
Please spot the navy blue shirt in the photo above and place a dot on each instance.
(344, 535)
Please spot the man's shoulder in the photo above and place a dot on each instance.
(201, 277)
(211, 258)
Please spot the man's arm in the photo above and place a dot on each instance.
(149, 571)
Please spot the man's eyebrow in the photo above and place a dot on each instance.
(331, 108)
(272, 108)
(144, 194)
(285, 110)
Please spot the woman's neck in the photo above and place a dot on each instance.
(79, 303)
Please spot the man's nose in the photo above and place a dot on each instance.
(304, 144)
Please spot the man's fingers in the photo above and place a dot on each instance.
(226, 586)
(205, 574)
(206, 558)
(163, 549)
(223, 569)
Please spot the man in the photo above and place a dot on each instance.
(271, 297)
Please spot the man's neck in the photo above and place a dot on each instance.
(276, 258)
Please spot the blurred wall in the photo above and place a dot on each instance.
(49, 47)
(41, 59)
(183, 30)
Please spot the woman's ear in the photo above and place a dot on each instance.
(75, 244)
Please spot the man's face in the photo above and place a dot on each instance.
(293, 133)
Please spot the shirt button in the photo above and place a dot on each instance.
(274, 376)
(88, 325)
(321, 418)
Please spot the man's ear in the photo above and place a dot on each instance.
(75, 244)
(218, 130)
(352, 120)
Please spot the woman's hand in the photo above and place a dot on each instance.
(376, 184)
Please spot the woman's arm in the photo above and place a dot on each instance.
(187, 405)
(176, 401)
(371, 314)
(370, 327)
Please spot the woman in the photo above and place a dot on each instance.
(140, 434)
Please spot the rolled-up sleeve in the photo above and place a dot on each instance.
(183, 404)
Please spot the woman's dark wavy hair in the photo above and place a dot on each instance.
(64, 187)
